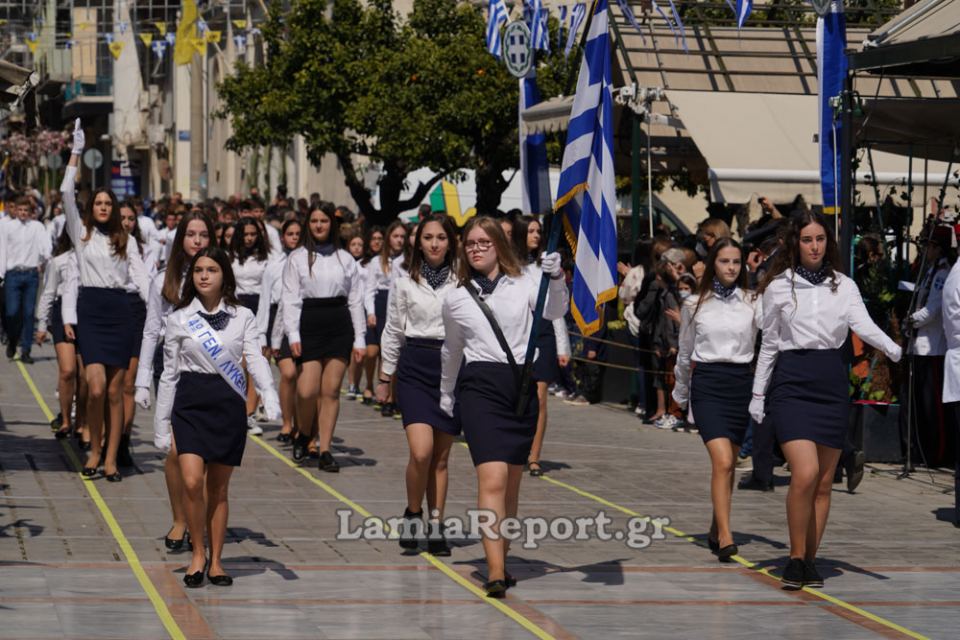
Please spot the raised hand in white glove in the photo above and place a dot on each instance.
(142, 397)
(550, 265)
(79, 140)
(757, 408)
(271, 406)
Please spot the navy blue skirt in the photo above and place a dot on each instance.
(104, 327)
(326, 330)
(380, 311)
(284, 348)
(138, 309)
(209, 419)
(487, 395)
(720, 395)
(55, 323)
(545, 367)
(250, 301)
(418, 385)
(809, 397)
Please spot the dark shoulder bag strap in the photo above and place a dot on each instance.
(497, 331)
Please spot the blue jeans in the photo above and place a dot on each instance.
(20, 298)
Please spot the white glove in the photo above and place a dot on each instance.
(79, 140)
(896, 355)
(142, 397)
(757, 408)
(680, 394)
(271, 406)
(162, 441)
(446, 404)
(550, 265)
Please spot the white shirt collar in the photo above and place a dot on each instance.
(196, 305)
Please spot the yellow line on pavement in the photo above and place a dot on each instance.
(511, 613)
(131, 556)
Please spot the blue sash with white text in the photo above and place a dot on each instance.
(212, 347)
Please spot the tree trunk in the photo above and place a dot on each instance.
(490, 187)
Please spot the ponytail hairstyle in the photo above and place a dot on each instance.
(114, 228)
(228, 290)
(176, 265)
(788, 257)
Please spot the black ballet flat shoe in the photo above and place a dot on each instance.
(62, 433)
(495, 588)
(175, 545)
(284, 438)
(124, 459)
(793, 574)
(510, 581)
(410, 529)
(386, 411)
(811, 577)
(327, 463)
(713, 543)
(726, 553)
(89, 472)
(26, 359)
(300, 448)
(113, 477)
(56, 422)
(84, 446)
(195, 580)
(220, 581)
(535, 469)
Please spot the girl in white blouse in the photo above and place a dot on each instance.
(718, 330)
(107, 259)
(355, 247)
(380, 276)
(323, 319)
(250, 254)
(374, 245)
(57, 277)
(201, 398)
(410, 352)
(193, 233)
(801, 379)
(269, 319)
(138, 308)
(489, 387)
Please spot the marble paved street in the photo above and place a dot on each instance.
(82, 559)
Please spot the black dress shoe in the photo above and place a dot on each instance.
(726, 553)
(327, 463)
(89, 472)
(220, 581)
(495, 588)
(62, 433)
(713, 543)
(811, 578)
(854, 469)
(300, 448)
(113, 477)
(84, 446)
(510, 581)
(175, 545)
(793, 574)
(56, 422)
(752, 483)
(11, 350)
(124, 459)
(387, 410)
(26, 359)
(411, 529)
(194, 580)
(283, 438)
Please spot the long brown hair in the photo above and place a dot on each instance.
(788, 257)
(521, 227)
(173, 278)
(506, 257)
(412, 264)
(385, 254)
(307, 240)
(228, 291)
(118, 237)
(705, 289)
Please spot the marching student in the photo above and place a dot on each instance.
(193, 233)
(268, 320)
(60, 273)
(374, 245)
(378, 281)
(107, 260)
(322, 311)
(201, 398)
(801, 377)
(718, 331)
(487, 321)
(250, 254)
(951, 371)
(356, 248)
(553, 344)
(410, 352)
(26, 247)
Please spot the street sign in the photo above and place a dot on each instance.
(54, 161)
(518, 53)
(93, 159)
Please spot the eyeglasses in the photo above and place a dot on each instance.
(477, 245)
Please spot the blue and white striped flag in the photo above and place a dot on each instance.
(562, 20)
(628, 14)
(534, 167)
(535, 15)
(831, 71)
(744, 7)
(496, 18)
(577, 15)
(587, 196)
(674, 23)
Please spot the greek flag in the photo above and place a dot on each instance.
(534, 168)
(628, 14)
(497, 17)
(744, 7)
(562, 20)
(674, 23)
(577, 15)
(831, 70)
(587, 195)
(535, 15)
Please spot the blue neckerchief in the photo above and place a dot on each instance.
(325, 249)
(435, 277)
(218, 321)
(721, 291)
(813, 277)
(486, 284)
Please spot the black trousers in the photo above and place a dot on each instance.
(931, 441)
(952, 411)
